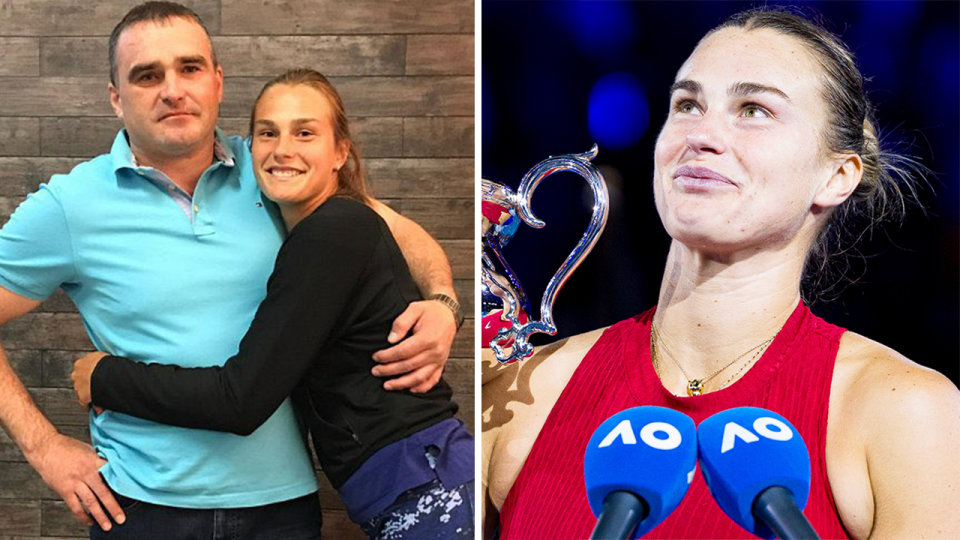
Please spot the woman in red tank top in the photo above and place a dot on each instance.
(768, 153)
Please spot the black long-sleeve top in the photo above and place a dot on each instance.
(338, 284)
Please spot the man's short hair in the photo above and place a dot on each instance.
(152, 12)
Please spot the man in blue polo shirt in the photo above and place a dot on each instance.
(165, 245)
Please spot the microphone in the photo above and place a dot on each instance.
(758, 470)
(637, 468)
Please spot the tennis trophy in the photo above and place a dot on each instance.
(507, 320)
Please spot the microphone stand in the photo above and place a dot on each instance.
(622, 512)
(777, 509)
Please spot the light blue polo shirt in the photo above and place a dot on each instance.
(153, 284)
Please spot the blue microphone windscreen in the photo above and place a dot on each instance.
(744, 451)
(648, 451)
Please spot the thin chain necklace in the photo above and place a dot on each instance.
(695, 386)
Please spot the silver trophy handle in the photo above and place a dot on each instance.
(580, 164)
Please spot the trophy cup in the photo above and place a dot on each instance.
(507, 319)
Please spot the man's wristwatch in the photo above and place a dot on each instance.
(450, 303)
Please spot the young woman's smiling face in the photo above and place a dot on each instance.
(295, 152)
(739, 162)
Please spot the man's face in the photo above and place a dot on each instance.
(168, 91)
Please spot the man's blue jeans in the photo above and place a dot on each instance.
(297, 519)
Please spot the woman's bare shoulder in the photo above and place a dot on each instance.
(873, 383)
(532, 382)
(516, 402)
(903, 421)
(870, 370)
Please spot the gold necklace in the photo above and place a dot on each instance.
(695, 386)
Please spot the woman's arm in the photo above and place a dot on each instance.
(318, 270)
(895, 437)
(515, 406)
(913, 454)
(424, 354)
(428, 263)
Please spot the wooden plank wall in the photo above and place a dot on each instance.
(405, 69)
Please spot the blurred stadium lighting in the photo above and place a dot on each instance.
(601, 29)
(618, 113)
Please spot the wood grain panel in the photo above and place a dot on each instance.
(20, 517)
(58, 302)
(22, 175)
(20, 58)
(463, 345)
(268, 56)
(466, 295)
(461, 255)
(459, 374)
(27, 365)
(45, 330)
(10, 452)
(75, 57)
(422, 178)
(338, 525)
(372, 96)
(450, 54)
(60, 406)
(19, 136)
(410, 96)
(438, 136)
(40, 537)
(443, 218)
(58, 521)
(378, 136)
(18, 480)
(354, 17)
(8, 205)
(405, 69)
(54, 96)
(57, 367)
(59, 18)
(18, 537)
(329, 499)
(240, 56)
(235, 125)
(78, 137)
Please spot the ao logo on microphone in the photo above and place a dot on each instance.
(648, 434)
(770, 452)
(656, 470)
(765, 426)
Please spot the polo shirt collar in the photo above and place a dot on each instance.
(123, 157)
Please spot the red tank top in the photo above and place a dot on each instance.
(548, 500)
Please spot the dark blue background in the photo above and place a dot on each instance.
(540, 64)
